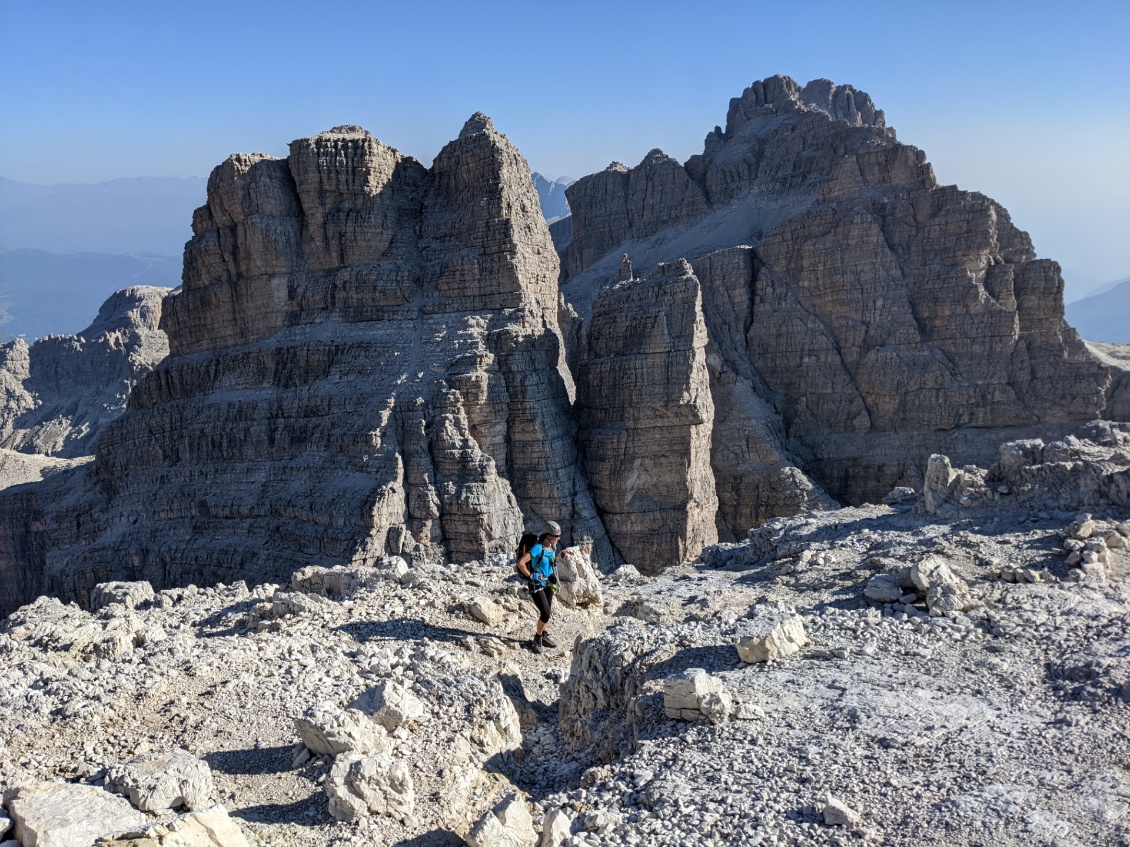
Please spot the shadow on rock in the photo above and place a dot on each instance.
(405, 629)
(253, 761)
(435, 838)
(310, 811)
(227, 621)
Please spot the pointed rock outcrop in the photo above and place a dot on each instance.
(861, 317)
(365, 360)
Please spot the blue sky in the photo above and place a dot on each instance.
(1024, 101)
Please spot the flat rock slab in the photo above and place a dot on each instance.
(59, 814)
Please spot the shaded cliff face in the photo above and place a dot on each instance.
(365, 360)
(860, 316)
(58, 394)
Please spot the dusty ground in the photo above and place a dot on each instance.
(1006, 724)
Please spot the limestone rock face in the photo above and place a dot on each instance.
(1117, 358)
(58, 394)
(647, 417)
(859, 315)
(365, 360)
(624, 204)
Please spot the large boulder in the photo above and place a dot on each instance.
(579, 582)
(59, 814)
(359, 786)
(328, 730)
(159, 782)
(390, 704)
(508, 824)
(768, 635)
(210, 827)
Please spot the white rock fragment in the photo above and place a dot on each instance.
(556, 828)
(160, 782)
(579, 583)
(838, 813)
(883, 588)
(209, 827)
(59, 814)
(390, 704)
(695, 695)
(507, 825)
(1093, 571)
(150, 635)
(359, 786)
(338, 582)
(770, 636)
(328, 730)
(487, 611)
(944, 590)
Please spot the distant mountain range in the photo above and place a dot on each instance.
(141, 215)
(65, 248)
(1105, 316)
(45, 293)
(551, 193)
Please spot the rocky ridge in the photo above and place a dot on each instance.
(862, 316)
(352, 323)
(369, 357)
(59, 393)
(763, 694)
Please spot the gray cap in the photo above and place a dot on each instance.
(553, 528)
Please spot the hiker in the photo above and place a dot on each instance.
(538, 567)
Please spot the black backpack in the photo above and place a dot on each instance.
(525, 544)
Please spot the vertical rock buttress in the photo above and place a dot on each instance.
(647, 417)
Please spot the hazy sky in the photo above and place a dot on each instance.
(1025, 101)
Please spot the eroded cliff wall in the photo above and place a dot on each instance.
(860, 315)
(646, 417)
(371, 357)
(365, 360)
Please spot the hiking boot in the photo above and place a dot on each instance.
(547, 641)
(535, 645)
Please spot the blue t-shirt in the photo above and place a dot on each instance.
(542, 563)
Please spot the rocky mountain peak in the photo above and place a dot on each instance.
(657, 156)
(477, 123)
(842, 103)
(376, 333)
(347, 130)
(780, 95)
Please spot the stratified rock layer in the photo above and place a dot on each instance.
(860, 316)
(369, 357)
(647, 417)
(365, 360)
